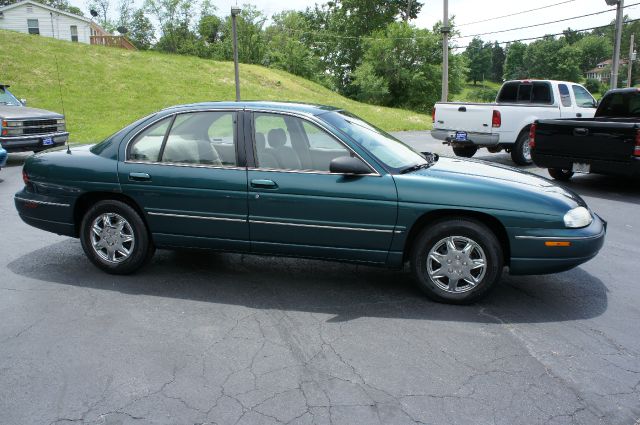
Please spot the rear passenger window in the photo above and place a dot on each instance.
(565, 97)
(201, 138)
(147, 145)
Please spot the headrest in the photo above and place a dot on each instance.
(261, 142)
(277, 138)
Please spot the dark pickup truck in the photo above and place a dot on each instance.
(609, 143)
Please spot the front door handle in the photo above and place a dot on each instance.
(140, 177)
(264, 184)
(580, 131)
(579, 115)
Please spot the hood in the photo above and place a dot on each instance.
(484, 185)
(22, 112)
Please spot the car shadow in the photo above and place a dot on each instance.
(344, 291)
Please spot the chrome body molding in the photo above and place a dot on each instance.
(560, 238)
(53, 204)
(199, 217)
(320, 226)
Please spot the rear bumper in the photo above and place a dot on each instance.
(629, 168)
(32, 142)
(530, 255)
(44, 212)
(479, 139)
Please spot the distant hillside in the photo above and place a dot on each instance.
(105, 88)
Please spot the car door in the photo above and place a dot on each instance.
(297, 206)
(187, 174)
(585, 103)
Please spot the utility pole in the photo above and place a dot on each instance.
(235, 11)
(615, 66)
(445, 52)
(631, 59)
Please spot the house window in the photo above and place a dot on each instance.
(74, 33)
(33, 27)
(29, 9)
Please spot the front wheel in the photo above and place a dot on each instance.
(560, 174)
(456, 261)
(521, 151)
(114, 237)
(465, 151)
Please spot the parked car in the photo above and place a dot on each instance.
(606, 144)
(3, 157)
(304, 181)
(28, 129)
(505, 124)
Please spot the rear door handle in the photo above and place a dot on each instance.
(264, 184)
(462, 109)
(579, 115)
(140, 177)
(580, 131)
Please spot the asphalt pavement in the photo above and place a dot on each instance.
(200, 337)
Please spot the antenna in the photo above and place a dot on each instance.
(55, 57)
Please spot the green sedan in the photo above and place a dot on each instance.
(304, 181)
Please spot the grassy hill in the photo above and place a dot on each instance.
(105, 88)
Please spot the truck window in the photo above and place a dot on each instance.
(583, 98)
(565, 97)
(508, 92)
(526, 92)
(541, 93)
(622, 105)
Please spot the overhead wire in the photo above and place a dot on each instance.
(514, 14)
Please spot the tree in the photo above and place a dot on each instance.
(175, 18)
(514, 61)
(479, 57)
(251, 46)
(593, 50)
(497, 62)
(102, 7)
(141, 31)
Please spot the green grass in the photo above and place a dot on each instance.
(104, 89)
(468, 95)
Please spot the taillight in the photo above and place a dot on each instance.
(25, 178)
(636, 149)
(532, 136)
(433, 115)
(496, 119)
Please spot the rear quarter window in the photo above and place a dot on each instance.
(537, 92)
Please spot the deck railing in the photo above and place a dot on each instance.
(118, 41)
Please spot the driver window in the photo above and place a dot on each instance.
(583, 98)
(201, 138)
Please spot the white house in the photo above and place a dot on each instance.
(35, 18)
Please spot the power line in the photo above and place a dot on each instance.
(514, 14)
(630, 21)
(544, 23)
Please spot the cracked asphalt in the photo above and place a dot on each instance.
(208, 338)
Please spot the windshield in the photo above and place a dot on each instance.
(6, 98)
(386, 148)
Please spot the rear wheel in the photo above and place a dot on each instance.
(456, 261)
(465, 151)
(115, 238)
(521, 152)
(560, 174)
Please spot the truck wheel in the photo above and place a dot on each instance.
(465, 151)
(560, 174)
(521, 152)
(114, 237)
(456, 261)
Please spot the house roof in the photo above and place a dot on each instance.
(44, 6)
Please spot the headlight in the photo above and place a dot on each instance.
(578, 217)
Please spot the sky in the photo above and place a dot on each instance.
(469, 11)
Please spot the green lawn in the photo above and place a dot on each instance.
(469, 92)
(104, 89)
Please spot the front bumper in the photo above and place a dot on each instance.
(598, 166)
(530, 255)
(477, 139)
(32, 141)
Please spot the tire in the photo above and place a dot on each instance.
(102, 248)
(560, 174)
(521, 152)
(465, 151)
(463, 233)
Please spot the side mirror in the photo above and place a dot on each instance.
(24, 102)
(348, 165)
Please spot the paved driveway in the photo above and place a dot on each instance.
(202, 337)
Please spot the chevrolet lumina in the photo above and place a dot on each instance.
(304, 181)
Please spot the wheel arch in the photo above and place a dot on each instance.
(87, 200)
(431, 217)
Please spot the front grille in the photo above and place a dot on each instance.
(39, 123)
(39, 130)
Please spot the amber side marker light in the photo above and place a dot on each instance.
(557, 243)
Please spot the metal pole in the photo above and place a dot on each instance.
(616, 50)
(630, 64)
(445, 52)
(234, 12)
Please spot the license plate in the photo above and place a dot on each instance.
(460, 136)
(581, 167)
(47, 141)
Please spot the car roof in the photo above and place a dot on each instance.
(306, 108)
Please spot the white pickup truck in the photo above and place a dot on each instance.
(505, 123)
